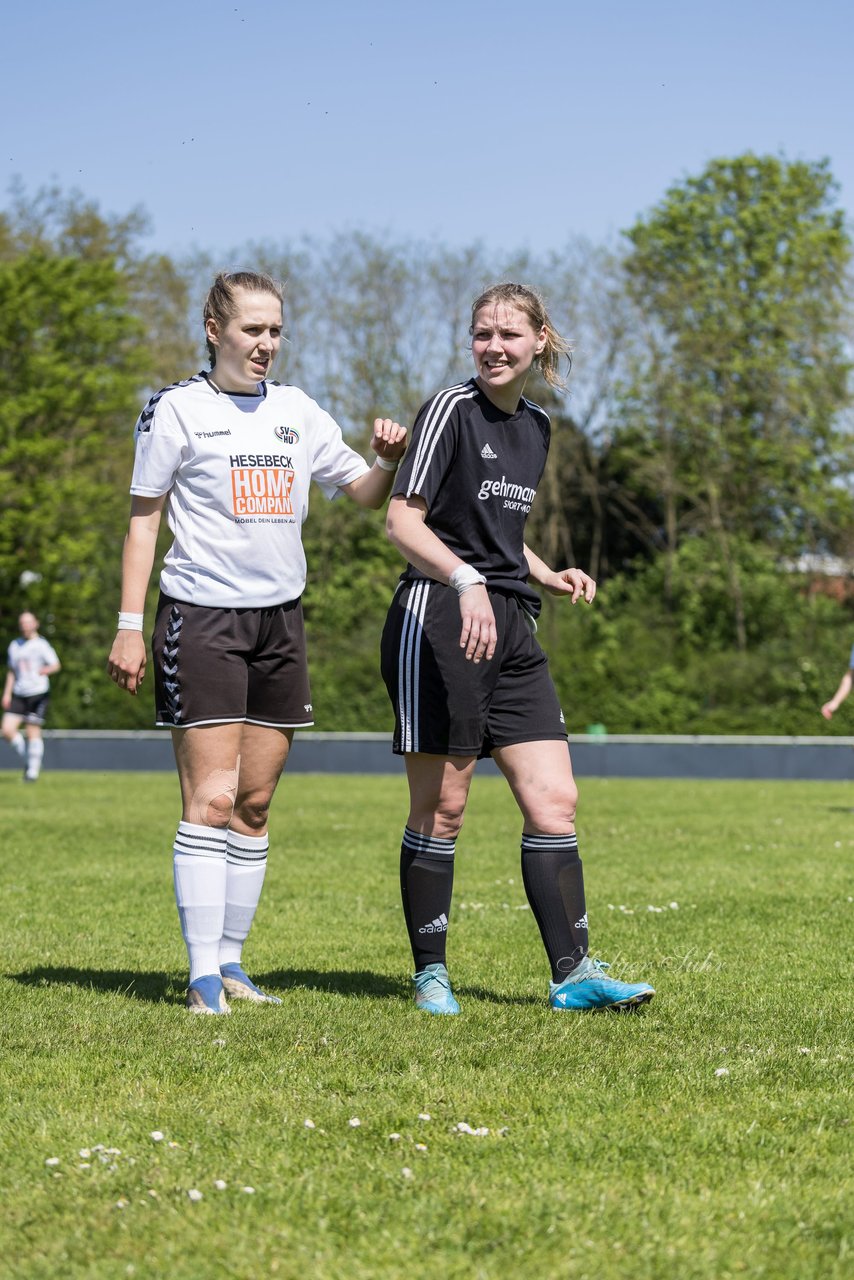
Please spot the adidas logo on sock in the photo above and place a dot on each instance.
(582, 923)
(439, 925)
(487, 452)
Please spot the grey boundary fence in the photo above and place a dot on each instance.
(606, 756)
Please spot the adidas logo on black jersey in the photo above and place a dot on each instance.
(487, 452)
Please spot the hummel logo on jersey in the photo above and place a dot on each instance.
(487, 452)
(439, 925)
(582, 923)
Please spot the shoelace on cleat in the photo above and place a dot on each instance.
(598, 969)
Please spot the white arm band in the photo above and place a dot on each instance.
(465, 576)
(387, 464)
(130, 621)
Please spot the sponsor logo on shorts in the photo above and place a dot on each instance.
(582, 923)
(287, 435)
(516, 496)
(488, 452)
(307, 706)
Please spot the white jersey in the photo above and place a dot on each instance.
(26, 659)
(237, 469)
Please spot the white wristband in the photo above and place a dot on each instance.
(387, 464)
(130, 621)
(465, 576)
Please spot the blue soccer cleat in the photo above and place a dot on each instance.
(241, 987)
(433, 990)
(206, 995)
(587, 987)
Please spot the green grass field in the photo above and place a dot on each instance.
(707, 1136)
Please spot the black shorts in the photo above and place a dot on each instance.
(32, 710)
(447, 705)
(218, 666)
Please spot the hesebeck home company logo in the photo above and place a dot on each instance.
(287, 435)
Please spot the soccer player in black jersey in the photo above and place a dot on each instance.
(463, 668)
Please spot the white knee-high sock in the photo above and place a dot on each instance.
(35, 752)
(246, 862)
(199, 865)
(18, 745)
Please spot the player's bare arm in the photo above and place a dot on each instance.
(838, 698)
(388, 443)
(406, 528)
(572, 582)
(127, 661)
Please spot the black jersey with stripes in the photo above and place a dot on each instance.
(477, 469)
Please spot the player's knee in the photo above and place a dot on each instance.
(571, 801)
(253, 812)
(219, 811)
(446, 819)
(555, 810)
(212, 803)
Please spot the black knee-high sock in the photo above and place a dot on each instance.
(426, 885)
(554, 883)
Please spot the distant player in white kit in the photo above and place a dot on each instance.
(26, 693)
(230, 456)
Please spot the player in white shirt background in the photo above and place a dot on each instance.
(229, 456)
(26, 693)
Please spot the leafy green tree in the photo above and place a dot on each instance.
(732, 420)
(89, 325)
(66, 224)
(352, 572)
(639, 666)
(69, 375)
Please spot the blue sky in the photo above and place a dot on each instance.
(517, 125)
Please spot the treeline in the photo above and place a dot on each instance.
(701, 455)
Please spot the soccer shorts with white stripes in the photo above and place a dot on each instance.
(444, 703)
(220, 666)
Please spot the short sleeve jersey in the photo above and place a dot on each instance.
(478, 469)
(237, 469)
(26, 659)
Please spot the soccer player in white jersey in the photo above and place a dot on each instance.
(230, 456)
(463, 669)
(26, 693)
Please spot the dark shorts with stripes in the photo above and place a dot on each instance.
(219, 666)
(32, 709)
(447, 705)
